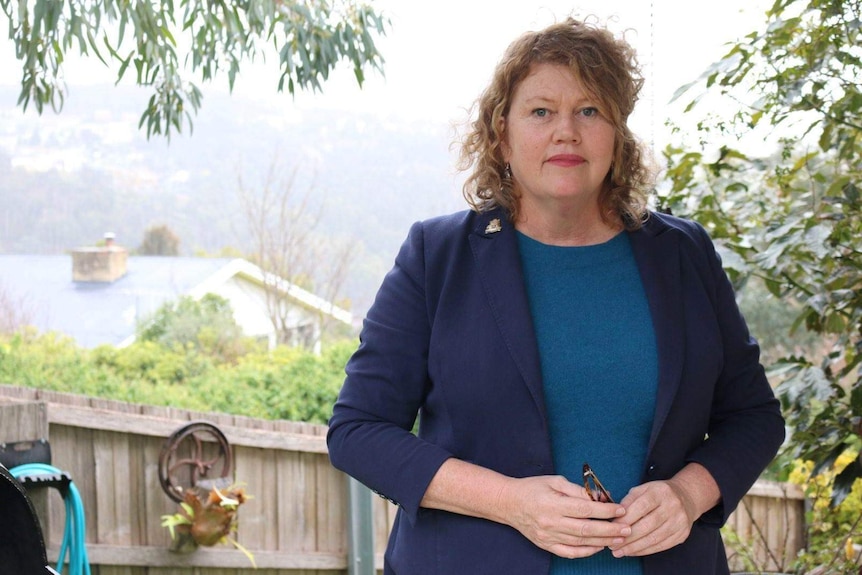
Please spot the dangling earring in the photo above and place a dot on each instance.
(506, 179)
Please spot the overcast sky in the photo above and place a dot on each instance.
(440, 54)
(439, 59)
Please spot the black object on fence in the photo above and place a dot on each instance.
(22, 546)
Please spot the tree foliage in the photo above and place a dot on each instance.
(778, 184)
(160, 40)
(159, 241)
(206, 325)
(830, 530)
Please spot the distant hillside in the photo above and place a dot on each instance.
(66, 179)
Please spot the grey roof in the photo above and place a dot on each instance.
(98, 313)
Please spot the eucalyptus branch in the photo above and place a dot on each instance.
(831, 117)
(309, 38)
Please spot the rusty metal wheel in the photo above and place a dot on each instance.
(196, 455)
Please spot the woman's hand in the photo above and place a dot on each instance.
(659, 518)
(557, 516)
(550, 511)
(661, 513)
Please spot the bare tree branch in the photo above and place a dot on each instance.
(282, 230)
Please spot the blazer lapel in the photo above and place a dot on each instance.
(656, 251)
(495, 249)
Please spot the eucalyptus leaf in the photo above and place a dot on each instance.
(318, 36)
(845, 480)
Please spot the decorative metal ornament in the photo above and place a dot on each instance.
(195, 456)
(494, 226)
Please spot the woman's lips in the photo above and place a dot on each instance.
(566, 160)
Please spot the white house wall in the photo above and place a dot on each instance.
(248, 301)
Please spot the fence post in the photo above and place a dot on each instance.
(27, 421)
(361, 533)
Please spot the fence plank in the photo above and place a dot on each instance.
(769, 524)
(155, 501)
(255, 467)
(23, 421)
(113, 482)
(100, 418)
(331, 507)
(223, 557)
(296, 500)
(27, 421)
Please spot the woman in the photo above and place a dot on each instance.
(558, 322)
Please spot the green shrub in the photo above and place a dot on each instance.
(286, 383)
(48, 361)
(834, 532)
(206, 324)
(152, 362)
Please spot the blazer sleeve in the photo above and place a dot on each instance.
(746, 427)
(370, 434)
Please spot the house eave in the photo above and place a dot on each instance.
(253, 273)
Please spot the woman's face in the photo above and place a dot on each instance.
(559, 146)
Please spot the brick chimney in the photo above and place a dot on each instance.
(103, 264)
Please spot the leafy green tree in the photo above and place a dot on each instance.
(777, 182)
(771, 319)
(159, 241)
(206, 325)
(160, 39)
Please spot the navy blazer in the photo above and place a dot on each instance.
(450, 337)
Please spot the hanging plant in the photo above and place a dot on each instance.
(207, 520)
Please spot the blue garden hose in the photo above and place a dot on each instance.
(74, 533)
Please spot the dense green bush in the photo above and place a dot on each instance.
(286, 383)
(832, 531)
(206, 325)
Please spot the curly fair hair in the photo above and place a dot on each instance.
(607, 69)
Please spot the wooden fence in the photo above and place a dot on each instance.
(295, 524)
(767, 529)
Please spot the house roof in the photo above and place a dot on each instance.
(99, 313)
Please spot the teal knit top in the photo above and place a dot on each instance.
(599, 368)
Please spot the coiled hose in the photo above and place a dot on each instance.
(74, 532)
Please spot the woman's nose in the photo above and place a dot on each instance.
(567, 129)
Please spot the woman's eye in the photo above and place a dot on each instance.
(590, 112)
(540, 112)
